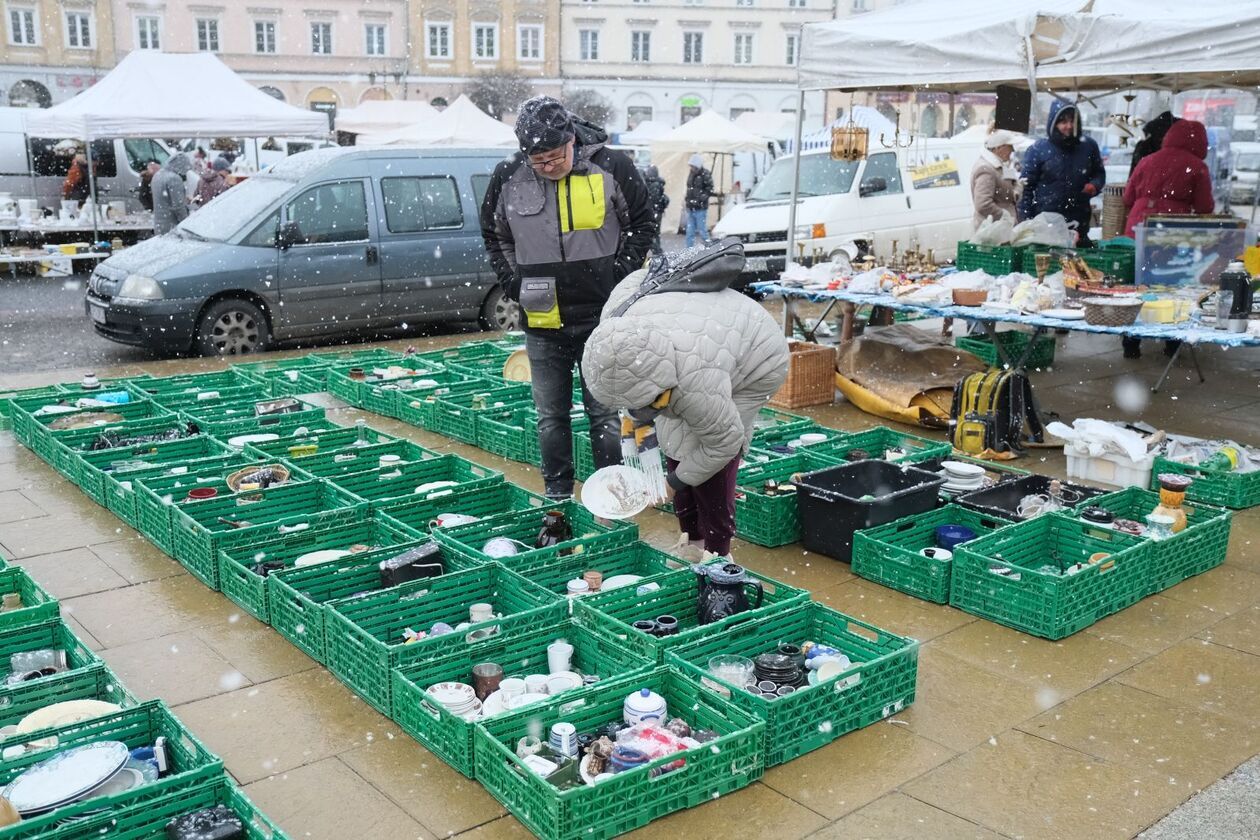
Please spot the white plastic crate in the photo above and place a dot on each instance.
(1110, 469)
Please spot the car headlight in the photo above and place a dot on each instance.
(139, 287)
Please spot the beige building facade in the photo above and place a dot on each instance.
(52, 49)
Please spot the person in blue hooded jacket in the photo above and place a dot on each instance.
(1063, 172)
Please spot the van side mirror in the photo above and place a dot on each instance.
(871, 186)
(288, 235)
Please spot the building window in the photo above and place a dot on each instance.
(588, 44)
(485, 41)
(636, 114)
(693, 47)
(147, 37)
(264, 36)
(374, 37)
(687, 113)
(861, 5)
(529, 40)
(207, 35)
(743, 48)
(790, 58)
(743, 2)
(22, 29)
(79, 30)
(321, 38)
(796, 4)
(640, 46)
(438, 43)
(736, 113)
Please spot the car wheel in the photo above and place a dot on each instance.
(232, 327)
(498, 312)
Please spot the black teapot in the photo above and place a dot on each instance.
(722, 592)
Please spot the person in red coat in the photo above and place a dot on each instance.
(1173, 180)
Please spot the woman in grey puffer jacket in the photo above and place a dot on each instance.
(716, 358)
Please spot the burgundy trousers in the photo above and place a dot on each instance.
(707, 512)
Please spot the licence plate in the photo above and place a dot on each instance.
(755, 264)
(97, 313)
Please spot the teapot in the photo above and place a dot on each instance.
(722, 591)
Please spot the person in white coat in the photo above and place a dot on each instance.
(700, 363)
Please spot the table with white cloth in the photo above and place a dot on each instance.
(1189, 333)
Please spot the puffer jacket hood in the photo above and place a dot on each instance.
(179, 164)
(720, 353)
(1189, 136)
(590, 138)
(1057, 111)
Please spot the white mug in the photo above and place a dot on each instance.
(536, 683)
(512, 687)
(559, 656)
(480, 612)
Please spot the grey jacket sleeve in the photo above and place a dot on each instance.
(703, 402)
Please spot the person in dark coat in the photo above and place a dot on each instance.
(1063, 172)
(212, 182)
(145, 193)
(699, 191)
(1154, 131)
(658, 201)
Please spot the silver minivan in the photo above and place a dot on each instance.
(328, 242)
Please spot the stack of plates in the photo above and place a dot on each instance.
(777, 668)
(961, 477)
(457, 698)
(78, 773)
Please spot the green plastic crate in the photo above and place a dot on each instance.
(200, 530)
(296, 595)
(482, 502)
(998, 260)
(155, 516)
(366, 392)
(478, 358)
(35, 433)
(455, 414)
(37, 605)
(55, 634)
(364, 635)
(362, 356)
(1215, 487)
(589, 536)
(504, 434)
(613, 613)
(328, 439)
(1202, 545)
(634, 798)
(69, 447)
(386, 488)
(449, 736)
(177, 401)
(583, 456)
(32, 399)
(771, 520)
(288, 432)
(287, 377)
(416, 405)
(94, 682)
(1113, 262)
(637, 558)
(228, 418)
(190, 383)
(243, 585)
(50, 393)
(889, 554)
(1013, 342)
(877, 441)
(879, 683)
(1043, 603)
(774, 441)
(101, 474)
(333, 463)
(190, 763)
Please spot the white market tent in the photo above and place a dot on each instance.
(1064, 46)
(384, 116)
(644, 133)
(714, 138)
(153, 94)
(773, 124)
(462, 125)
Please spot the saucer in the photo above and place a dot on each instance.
(326, 555)
(618, 581)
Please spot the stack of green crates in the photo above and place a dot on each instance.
(1226, 488)
(998, 260)
(1013, 343)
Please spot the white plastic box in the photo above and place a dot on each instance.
(1114, 470)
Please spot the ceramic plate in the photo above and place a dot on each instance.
(63, 714)
(525, 700)
(963, 470)
(126, 779)
(618, 581)
(310, 558)
(1064, 314)
(516, 368)
(493, 705)
(616, 492)
(65, 777)
(260, 437)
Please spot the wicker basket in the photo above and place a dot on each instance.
(1112, 311)
(1113, 214)
(970, 297)
(811, 378)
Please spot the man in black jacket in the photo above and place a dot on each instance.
(699, 191)
(564, 220)
(658, 201)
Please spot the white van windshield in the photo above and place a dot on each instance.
(820, 175)
(240, 206)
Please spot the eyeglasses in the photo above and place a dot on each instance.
(551, 163)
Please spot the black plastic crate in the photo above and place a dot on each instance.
(1004, 499)
(835, 502)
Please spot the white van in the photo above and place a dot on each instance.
(30, 168)
(918, 196)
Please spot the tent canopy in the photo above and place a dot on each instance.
(462, 125)
(1076, 44)
(772, 124)
(644, 133)
(381, 116)
(153, 94)
(709, 132)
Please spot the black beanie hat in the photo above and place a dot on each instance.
(543, 124)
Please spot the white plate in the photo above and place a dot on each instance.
(1064, 314)
(963, 471)
(493, 705)
(630, 498)
(326, 555)
(66, 713)
(66, 776)
(525, 700)
(261, 437)
(618, 581)
(451, 693)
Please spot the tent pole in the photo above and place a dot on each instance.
(1032, 86)
(96, 234)
(788, 314)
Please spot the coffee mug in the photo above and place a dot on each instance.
(666, 625)
(559, 656)
(577, 586)
(486, 679)
(536, 684)
(512, 687)
(480, 612)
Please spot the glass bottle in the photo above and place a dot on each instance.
(361, 430)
